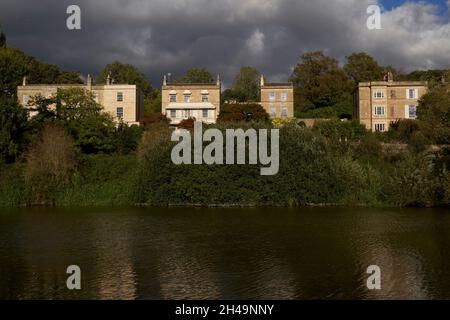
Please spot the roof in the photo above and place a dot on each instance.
(393, 83)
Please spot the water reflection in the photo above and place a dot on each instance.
(230, 254)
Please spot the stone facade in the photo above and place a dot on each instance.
(181, 101)
(124, 102)
(277, 99)
(378, 104)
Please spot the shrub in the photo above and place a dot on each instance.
(51, 163)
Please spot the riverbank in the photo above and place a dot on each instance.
(314, 171)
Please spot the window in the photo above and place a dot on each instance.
(187, 98)
(378, 94)
(284, 112)
(272, 95)
(411, 94)
(95, 97)
(172, 98)
(273, 112)
(173, 113)
(380, 127)
(379, 110)
(119, 112)
(205, 97)
(283, 96)
(120, 96)
(26, 98)
(186, 113)
(411, 112)
(205, 113)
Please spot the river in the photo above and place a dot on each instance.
(249, 253)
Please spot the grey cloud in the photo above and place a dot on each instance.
(161, 36)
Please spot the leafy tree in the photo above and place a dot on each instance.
(69, 77)
(246, 85)
(434, 114)
(76, 110)
(362, 67)
(152, 118)
(243, 112)
(51, 162)
(319, 82)
(127, 138)
(129, 74)
(197, 75)
(126, 73)
(13, 128)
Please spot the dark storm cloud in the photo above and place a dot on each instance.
(160, 36)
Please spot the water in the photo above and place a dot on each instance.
(272, 253)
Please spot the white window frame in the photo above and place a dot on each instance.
(25, 99)
(118, 113)
(172, 97)
(408, 111)
(376, 110)
(283, 96)
(119, 96)
(173, 113)
(284, 112)
(272, 96)
(273, 112)
(205, 97)
(378, 94)
(187, 97)
(408, 91)
(205, 111)
(380, 127)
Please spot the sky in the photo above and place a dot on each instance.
(171, 36)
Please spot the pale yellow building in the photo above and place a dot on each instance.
(277, 99)
(200, 101)
(378, 104)
(124, 102)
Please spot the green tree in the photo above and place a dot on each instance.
(197, 75)
(362, 67)
(243, 112)
(246, 85)
(434, 114)
(76, 109)
(320, 82)
(126, 74)
(13, 129)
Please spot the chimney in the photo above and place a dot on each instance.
(24, 81)
(389, 77)
(108, 79)
(261, 82)
(165, 80)
(218, 80)
(89, 81)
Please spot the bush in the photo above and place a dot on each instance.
(51, 163)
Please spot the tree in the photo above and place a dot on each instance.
(14, 65)
(51, 162)
(126, 74)
(76, 109)
(433, 113)
(320, 83)
(243, 112)
(197, 75)
(362, 67)
(246, 85)
(13, 129)
(129, 74)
